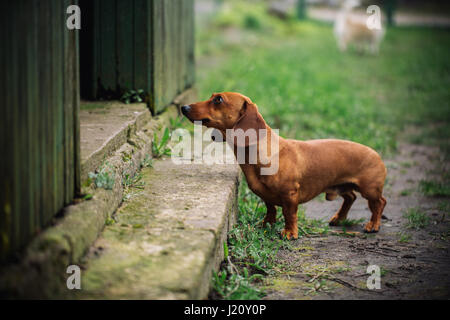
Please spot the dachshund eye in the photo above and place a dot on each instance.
(218, 100)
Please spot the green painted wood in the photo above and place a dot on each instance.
(31, 95)
(73, 60)
(159, 73)
(139, 44)
(18, 152)
(71, 109)
(108, 63)
(125, 45)
(190, 27)
(39, 122)
(58, 69)
(5, 134)
(143, 46)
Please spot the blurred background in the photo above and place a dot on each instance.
(284, 56)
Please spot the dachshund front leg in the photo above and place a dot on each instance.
(290, 220)
(271, 214)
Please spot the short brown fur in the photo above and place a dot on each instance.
(306, 168)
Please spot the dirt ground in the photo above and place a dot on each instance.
(414, 264)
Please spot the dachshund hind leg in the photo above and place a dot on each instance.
(349, 198)
(376, 206)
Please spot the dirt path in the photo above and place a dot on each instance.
(414, 263)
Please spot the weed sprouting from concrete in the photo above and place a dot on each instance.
(133, 96)
(147, 162)
(131, 182)
(104, 177)
(159, 146)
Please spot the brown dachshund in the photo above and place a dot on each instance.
(305, 168)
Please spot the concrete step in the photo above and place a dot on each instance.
(167, 238)
(105, 126)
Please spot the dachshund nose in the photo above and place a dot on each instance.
(185, 109)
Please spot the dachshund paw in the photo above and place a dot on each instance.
(289, 234)
(334, 221)
(371, 227)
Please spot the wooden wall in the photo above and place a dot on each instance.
(39, 127)
(137, 44)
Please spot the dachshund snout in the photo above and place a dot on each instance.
(185, 109)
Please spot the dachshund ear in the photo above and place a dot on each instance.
(250, 123)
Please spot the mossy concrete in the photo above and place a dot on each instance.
(168, 238)
(104, 129)
(39, 271)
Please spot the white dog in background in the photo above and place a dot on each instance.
(349, 30)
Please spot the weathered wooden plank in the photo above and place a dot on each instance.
(21, 108)
(15, 148)
(71, 108)
(6, 196)
(32, 96)
(88, 46)
(75, 75)
(58, 125)
(143, 48)
(42, 102)
(171, 52)
(45, 102)
(68, 115)
(124, 44)
(182, 57)
(108, 67)
(178, 62)
(49, 111)
(156, 62)
(190, 27)
(96, 48)
(158, 34)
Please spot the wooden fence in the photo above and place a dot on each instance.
(39, 117)
(137, 44)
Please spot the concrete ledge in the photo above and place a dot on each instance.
(104, 127)
(168, 238)
(40, 272)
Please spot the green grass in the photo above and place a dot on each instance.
(350, 222)
(406, 192)
(306, 88)
(160, 146)
(131, 183)
(251, 249)
(435, 188)
(444, 206)
(417, 219)
(133, 96)
(147, 162)
(404, 237)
